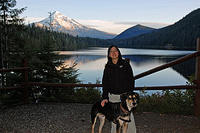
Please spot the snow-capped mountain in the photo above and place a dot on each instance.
(62, 23)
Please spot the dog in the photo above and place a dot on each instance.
(118, 113)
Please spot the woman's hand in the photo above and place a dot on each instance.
(103, 102)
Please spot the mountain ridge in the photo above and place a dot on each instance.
(134, 31)
(180, 35)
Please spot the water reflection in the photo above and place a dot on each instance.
(91, 65)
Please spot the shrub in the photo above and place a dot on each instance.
(176, 102)
(87, 95)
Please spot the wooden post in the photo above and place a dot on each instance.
(25, 82)
(197, 76)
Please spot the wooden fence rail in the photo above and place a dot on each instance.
(65, 85)
(18, 69)
(28, 84)
(197, 77)
(172, 63)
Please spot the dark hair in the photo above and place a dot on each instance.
(109, 58)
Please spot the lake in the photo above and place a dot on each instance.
(91, 62)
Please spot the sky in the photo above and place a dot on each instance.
(113, 16)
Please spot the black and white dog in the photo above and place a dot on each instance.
(119, 113)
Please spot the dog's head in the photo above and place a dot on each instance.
(131, 99)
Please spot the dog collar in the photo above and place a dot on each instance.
(125, 120)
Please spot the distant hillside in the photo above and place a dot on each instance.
(134, 31)
(181, 35)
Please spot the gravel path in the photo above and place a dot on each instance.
(75, 118)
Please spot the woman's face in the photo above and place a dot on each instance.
(114, 54)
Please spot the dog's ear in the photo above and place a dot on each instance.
(135, 93)
(137, 96)
(123, 96)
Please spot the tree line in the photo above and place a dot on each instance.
(20, 42)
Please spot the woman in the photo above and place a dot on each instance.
(117, 79)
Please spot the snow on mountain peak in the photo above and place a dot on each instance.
(58, 18)
(61, 23)
(57, 15)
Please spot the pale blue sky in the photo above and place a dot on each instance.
(119, 14)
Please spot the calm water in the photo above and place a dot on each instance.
(91, 63)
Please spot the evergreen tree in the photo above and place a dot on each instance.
(20, 42)
(8, 20)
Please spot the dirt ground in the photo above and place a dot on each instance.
(75, 118)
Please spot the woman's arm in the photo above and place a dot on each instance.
(105, 83)
(131, 76)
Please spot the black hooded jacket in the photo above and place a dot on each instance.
(117, 78)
